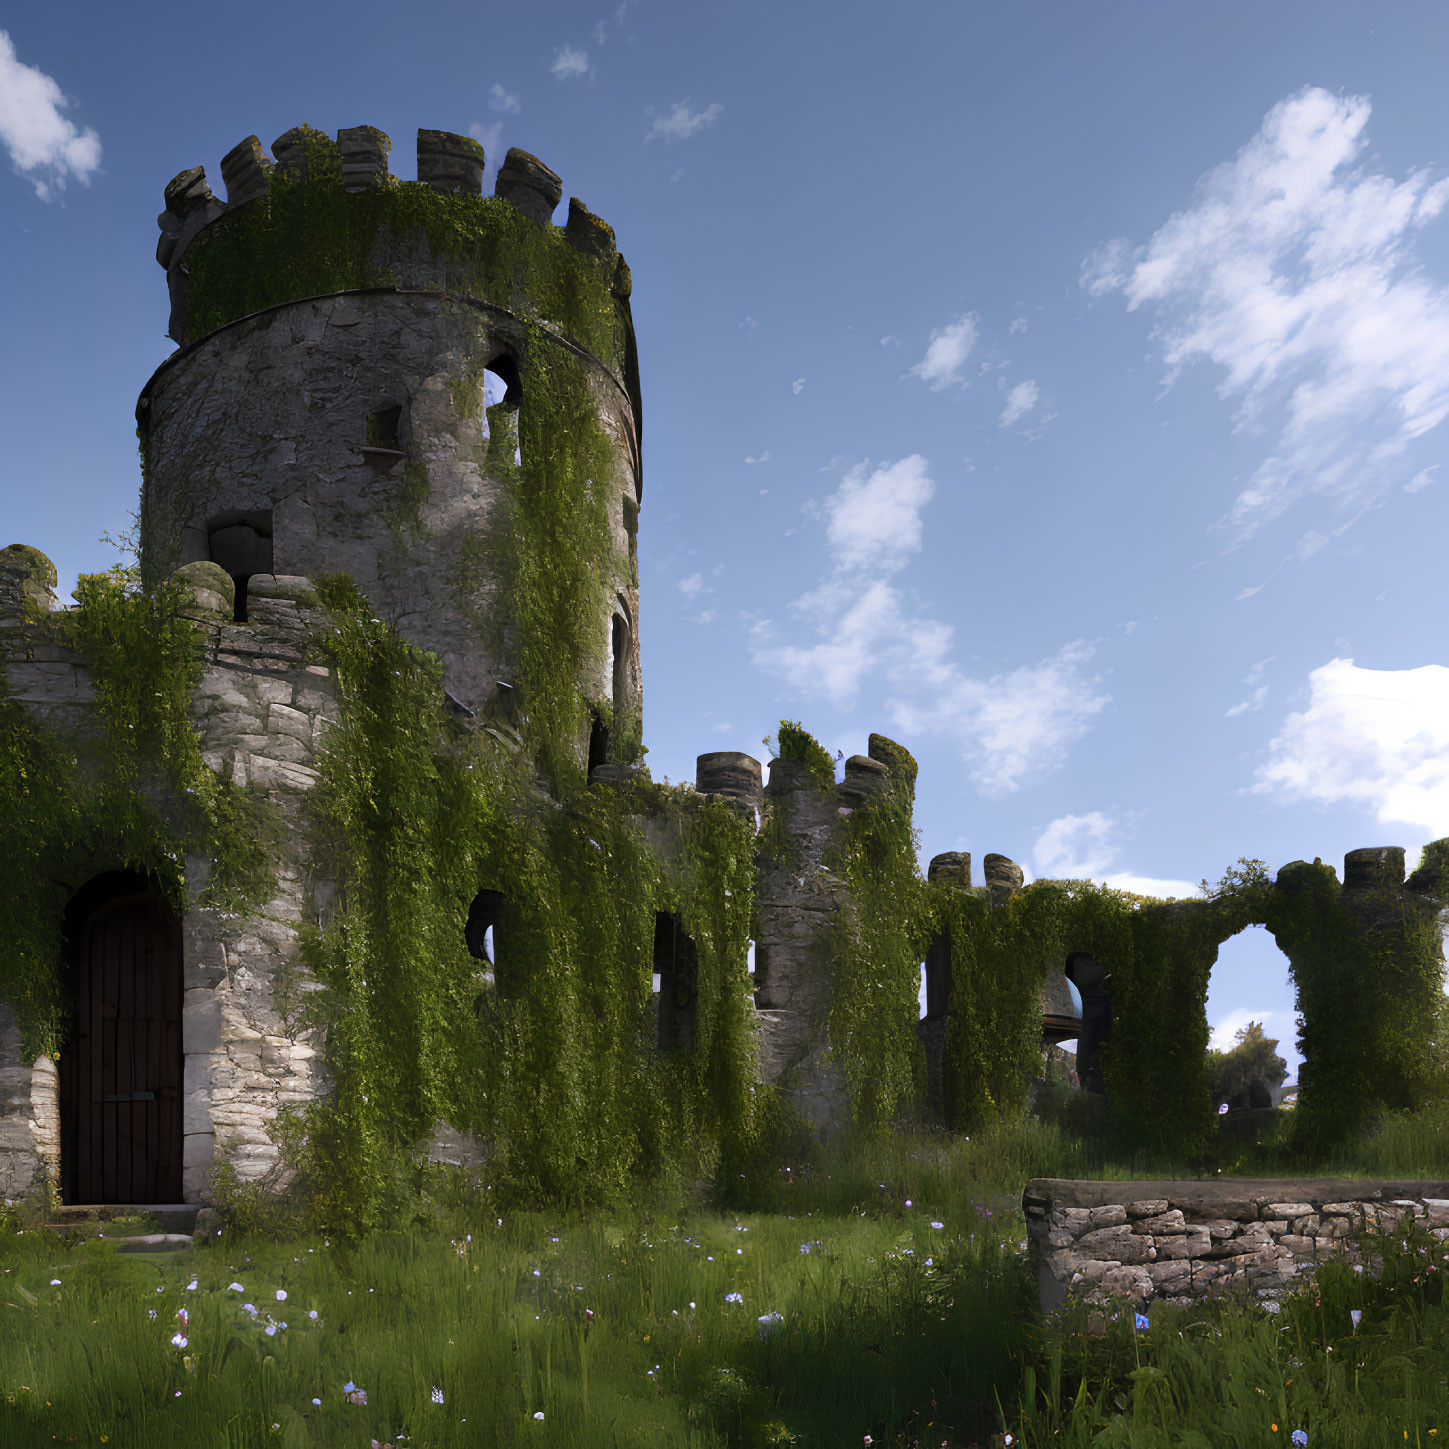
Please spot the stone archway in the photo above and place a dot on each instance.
(121, 1067)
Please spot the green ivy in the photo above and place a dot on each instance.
(308, 238)
(552, 1064)
(131, 792)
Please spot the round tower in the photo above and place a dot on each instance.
(433, 392)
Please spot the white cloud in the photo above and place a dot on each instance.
(502, 100)
(1244, 706)
(1375, 738)
(679, 123)
(45, 148)
(692, 585)
(946, 354)
(875, 518)
(1422, 479)
(761, 458)
(1151, 885)
(1019, 402)
(491, 137)
(1010, 728)
(1075, 847)
(1018, 324)
(1081, 847)
(1282, 1025)
(1292, 270)
(601, 34)
(569, 62)
(798, 386)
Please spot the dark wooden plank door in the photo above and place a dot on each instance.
(121, 1071)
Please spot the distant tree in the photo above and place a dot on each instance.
(1232, 1074)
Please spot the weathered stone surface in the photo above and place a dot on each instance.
(1163, 1222)
(1118, 1243)
(952, 868)
(364, 151)
(1108, 1216)
(590, 234)
(729, 772)
(529, 185)
(1212, 1240)
(244, 172)
(447, 162)
(1149, 1207)
(1191, 1244)
(865, 780)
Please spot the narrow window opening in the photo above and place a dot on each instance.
(936, 978)
(480, 934)
(619, 665)
(676, 970)
(631, 526)
(598, 744)
(750, 959)
(502, 398)
(384, 429)
(1093, 982)
(240, 541)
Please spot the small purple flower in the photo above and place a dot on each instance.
(1298, 1436)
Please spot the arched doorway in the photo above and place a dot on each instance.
(121, 1070)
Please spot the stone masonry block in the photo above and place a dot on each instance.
(1287, 1209)
(201, 1022)
(1192, 1244)
(1108, 1216)
(1148, 1207)
(1118, 1242)
(1163, 1222)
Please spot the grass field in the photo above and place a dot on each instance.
(878, 1297)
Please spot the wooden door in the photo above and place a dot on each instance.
(121, 1070)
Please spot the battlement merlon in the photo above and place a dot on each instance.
(323, 215)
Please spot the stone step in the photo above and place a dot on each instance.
(174, 1221)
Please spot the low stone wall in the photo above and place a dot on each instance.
(1182, 1241)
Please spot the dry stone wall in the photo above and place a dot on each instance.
(1183, 1241)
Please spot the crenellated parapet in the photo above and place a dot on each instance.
(320, 215)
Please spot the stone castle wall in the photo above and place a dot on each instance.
(1183, 1241)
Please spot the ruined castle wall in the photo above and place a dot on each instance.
(1183, 1241)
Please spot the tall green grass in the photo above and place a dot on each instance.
(895, 1264)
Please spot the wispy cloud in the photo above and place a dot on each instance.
(569, 62)
(45, 148)
(491, 138)
(679, 123)
(1085, 847)
(946, 354)
(759, 458)
(1019, 402)
(692, 585)
(798, 386)
(502, 100)
(1010, 727)
(1292, 269)
(1374, 738)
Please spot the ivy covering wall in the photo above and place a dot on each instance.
(307, 238)
(553, 1064)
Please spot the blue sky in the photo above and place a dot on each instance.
(1056, 388)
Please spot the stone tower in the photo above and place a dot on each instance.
(430, 391)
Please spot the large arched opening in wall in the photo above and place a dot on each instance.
(120, 1070)
(1250, 982)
